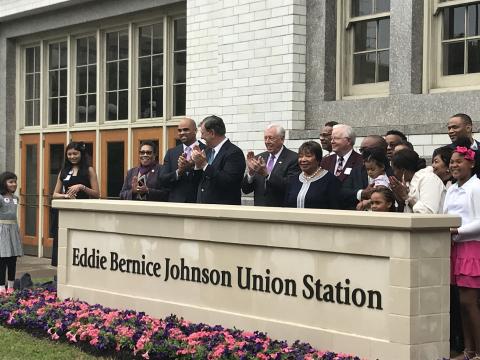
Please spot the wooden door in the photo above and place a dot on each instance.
(146, 134)
(89, 138)
(113, 152)
(29, 192)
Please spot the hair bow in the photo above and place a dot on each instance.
(468, 154)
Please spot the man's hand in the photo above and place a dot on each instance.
(367, 192)
(199, 158)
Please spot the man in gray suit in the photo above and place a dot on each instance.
(268, 172)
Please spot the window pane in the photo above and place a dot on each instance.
(53, 83)
(28, 113)
(364, 68)
(112, 46)
(53, 110)
(180, 70)
(53, 56)
(112, 76)
(36, 112)
(31, 190)
(157, 102)
(453, 58)
(473, 24)
(382, 6)
(473, 56)
(37, 58)
(82, 51)
(157, 70)
(29, 86)
(384, 34)
(112, 106)
(123, 45)
(122, 105)
(179, 100)
(92, 108)
(30, 60)
(36, 94)
(63, 82)
(454, 23)
(158, 38)
(365, 35)
(144, 72)
(145, 41)
(81, 80)
(92, 78)
(123, 74)
(180, 29)
(115, 170)
(383, 66)
(144, 103)
(81, 109)
(362, 7)
(92, 50)
(63, 110)
(63, 54)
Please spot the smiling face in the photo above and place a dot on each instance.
(440, 168)
(74, 156)
(457, 127)
(461, 168)
(326, 138)
(341, 144)
(187, 131)
(379, 203)
(273, 141)
(147, 155)
(307, 162)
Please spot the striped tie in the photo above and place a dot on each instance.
(339, 166)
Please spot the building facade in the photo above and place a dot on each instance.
(114, 73)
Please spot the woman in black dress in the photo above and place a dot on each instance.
(314, 187)
(76, 180)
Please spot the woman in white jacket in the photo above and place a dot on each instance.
(463, 199)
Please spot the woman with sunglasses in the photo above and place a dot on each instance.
(142, 182)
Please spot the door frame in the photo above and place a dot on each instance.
(107, 136)
(87, 137)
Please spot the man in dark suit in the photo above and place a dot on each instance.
(177, 170)
(268, 173)
(219, 170)
(345, 158)
(356, 186)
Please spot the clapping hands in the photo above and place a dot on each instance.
(256, 165)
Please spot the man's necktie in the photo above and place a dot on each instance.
(188, 152)
(339, 166)
(211, 156)
(270, 163)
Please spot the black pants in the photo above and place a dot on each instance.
(9, 263)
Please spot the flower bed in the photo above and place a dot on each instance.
(139, 335)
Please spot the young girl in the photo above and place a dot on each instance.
(382, 199)
(10, 244)
(375, 163)
(463, 200)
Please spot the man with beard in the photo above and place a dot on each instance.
(177, 171)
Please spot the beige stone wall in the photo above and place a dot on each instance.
(395, 266)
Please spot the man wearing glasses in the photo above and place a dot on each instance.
(142, 182)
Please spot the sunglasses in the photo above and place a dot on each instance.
(145, 152)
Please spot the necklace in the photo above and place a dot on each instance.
(309, 177)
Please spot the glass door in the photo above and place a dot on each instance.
(29, 192)
(53, 155)
(113, 148)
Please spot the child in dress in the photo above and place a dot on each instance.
(382, 199)
(10, 244)
(375, 162)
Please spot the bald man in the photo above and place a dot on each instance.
(177, 170)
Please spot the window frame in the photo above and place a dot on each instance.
(22, 87)
(434, 81)
(345, 50)
(46, 81)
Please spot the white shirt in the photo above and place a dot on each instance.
(428, 191)
(345, 159)
(464, 201)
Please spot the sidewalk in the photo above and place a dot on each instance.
(36, 267)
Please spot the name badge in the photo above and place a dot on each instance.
(347, 171)
(15, 201)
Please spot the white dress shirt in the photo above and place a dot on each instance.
(428, 191)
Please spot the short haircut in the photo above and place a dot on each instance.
(467, 120)
(348, 132)
(331, 123)
(4, 177)
(407, 159)
(311, 147)
(398, 133)
(280, 129)
(214, 123)
(380, 141)
(149, 143)
(445, 153)
(406, 143)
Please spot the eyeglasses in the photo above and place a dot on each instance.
(145, 152)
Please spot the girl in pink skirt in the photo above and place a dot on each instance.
(463, 199)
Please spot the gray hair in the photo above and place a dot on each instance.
(280, 129)
(347, 132)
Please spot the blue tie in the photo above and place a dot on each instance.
(211, 156)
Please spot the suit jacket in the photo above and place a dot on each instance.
(183, 189)
(271, 191)
(221, 181)
(155, 191)
(358, 180)
(354, 160)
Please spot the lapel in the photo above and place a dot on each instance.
(220, 154)
(280, 160)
